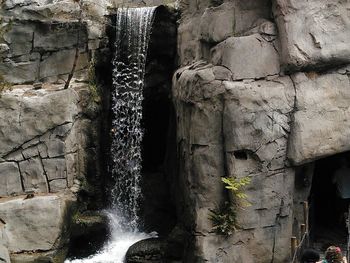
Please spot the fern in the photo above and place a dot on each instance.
(224, 219)
(236, 185)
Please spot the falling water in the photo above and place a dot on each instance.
(133, 27)
(133, 31)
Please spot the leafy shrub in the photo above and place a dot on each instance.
(224, 218)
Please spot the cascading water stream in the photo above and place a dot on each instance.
(133, 27)
(133, 31)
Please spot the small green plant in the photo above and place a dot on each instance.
(224, 218)
(236, 187)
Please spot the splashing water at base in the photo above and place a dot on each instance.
(115, 249)
(133, 28)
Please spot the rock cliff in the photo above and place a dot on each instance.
(49, 103)
(261, 90)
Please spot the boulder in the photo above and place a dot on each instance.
(256, 121)
(247, 57)
(217, 23)
(43, 230)
(26, 114)
(321, 123)
(313, 34)
(146, 251)
(204, 23)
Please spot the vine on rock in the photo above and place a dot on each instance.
(224, 218)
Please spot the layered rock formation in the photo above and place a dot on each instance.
(49, 124)
(262, 89)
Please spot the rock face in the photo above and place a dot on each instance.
(4, 253)
(36, 160)
(49, 124)
(262, 91)
(320, 126)
(319, 39)
(44, 151)
(246, 107)
(259, 110)
(248, 57)
(42, 230)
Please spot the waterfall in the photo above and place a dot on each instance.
(133, 27)
(132, 37)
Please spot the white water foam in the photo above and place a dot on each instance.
(115, 249)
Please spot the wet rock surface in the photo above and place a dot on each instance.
(146, 251)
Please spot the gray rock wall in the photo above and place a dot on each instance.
(261, 90)
(49, 133)
(42, 139)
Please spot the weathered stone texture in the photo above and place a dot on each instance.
(247, 57)
(313, 33)
(34, 178)
(203, 25)
(10, 179)
(42, 230)
(43, 146)
(35, 112)
(228, 128)
(256, 119)
(38, 50)
(46, 129)
(4, 253)
(321, 120)
(216, 25)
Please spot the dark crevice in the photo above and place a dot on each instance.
(327, 208)
(157, 208)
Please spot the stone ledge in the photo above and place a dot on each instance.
(36, 223)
